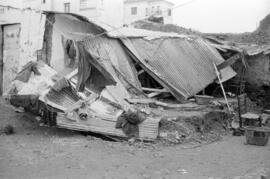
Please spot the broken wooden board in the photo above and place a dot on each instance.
(148, 130)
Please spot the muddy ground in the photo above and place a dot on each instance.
(41, 152)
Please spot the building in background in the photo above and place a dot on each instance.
(8, 14)
(139, 9)
(112, 12)
(104, 11)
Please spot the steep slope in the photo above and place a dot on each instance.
(149, 25)
(260, 36)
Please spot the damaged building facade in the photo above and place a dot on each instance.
(85, 76)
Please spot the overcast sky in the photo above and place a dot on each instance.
(221, 15)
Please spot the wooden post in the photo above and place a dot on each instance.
(1, 58)
(221, 85)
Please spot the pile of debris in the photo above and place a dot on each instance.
(88, 77)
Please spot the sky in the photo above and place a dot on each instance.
(214, 16)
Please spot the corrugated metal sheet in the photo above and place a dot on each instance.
(110, 52)
(184, 66)
(65, 98)
(111, 55)
(148, 129)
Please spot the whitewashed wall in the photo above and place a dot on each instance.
(108, 11)
(62, 26)
(141, 10)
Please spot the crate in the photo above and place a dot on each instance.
(203, 99)
(257, 135)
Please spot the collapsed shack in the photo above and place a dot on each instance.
(251, 62)
(235, 57)
(181, 65)
(85, 81)
(257, 73)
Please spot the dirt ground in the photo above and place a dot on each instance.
(42, 152)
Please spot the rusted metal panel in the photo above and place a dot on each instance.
(109, 54)
(185, 66)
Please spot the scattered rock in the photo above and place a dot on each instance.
(131, 141)
(146, 176)
(182, 171)
(159, 154)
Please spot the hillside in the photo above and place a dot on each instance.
(148, 25)
(260, 36)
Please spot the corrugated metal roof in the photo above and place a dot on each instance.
(110, 50)
(115, 61)
(184, 66)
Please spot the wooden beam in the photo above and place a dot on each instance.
(151, 95)
(222, 88)
(72, 74)
(155, 90)
(229, 62)
(141, 72)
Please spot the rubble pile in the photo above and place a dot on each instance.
(194, 126)
(129, 83)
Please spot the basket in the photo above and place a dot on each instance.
(257, 135)
(203, 99)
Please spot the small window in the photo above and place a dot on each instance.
(102, 3)
(169, 12)
(2, 10)
(146, 11)
(133, 10)
(159, 12)
(83, 4)
(67, 7)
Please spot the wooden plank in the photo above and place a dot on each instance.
(229, 62)
(155, 90)
(175, 92)
(141, 72)
(222, 88)
(72, 74)
(151, 95)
